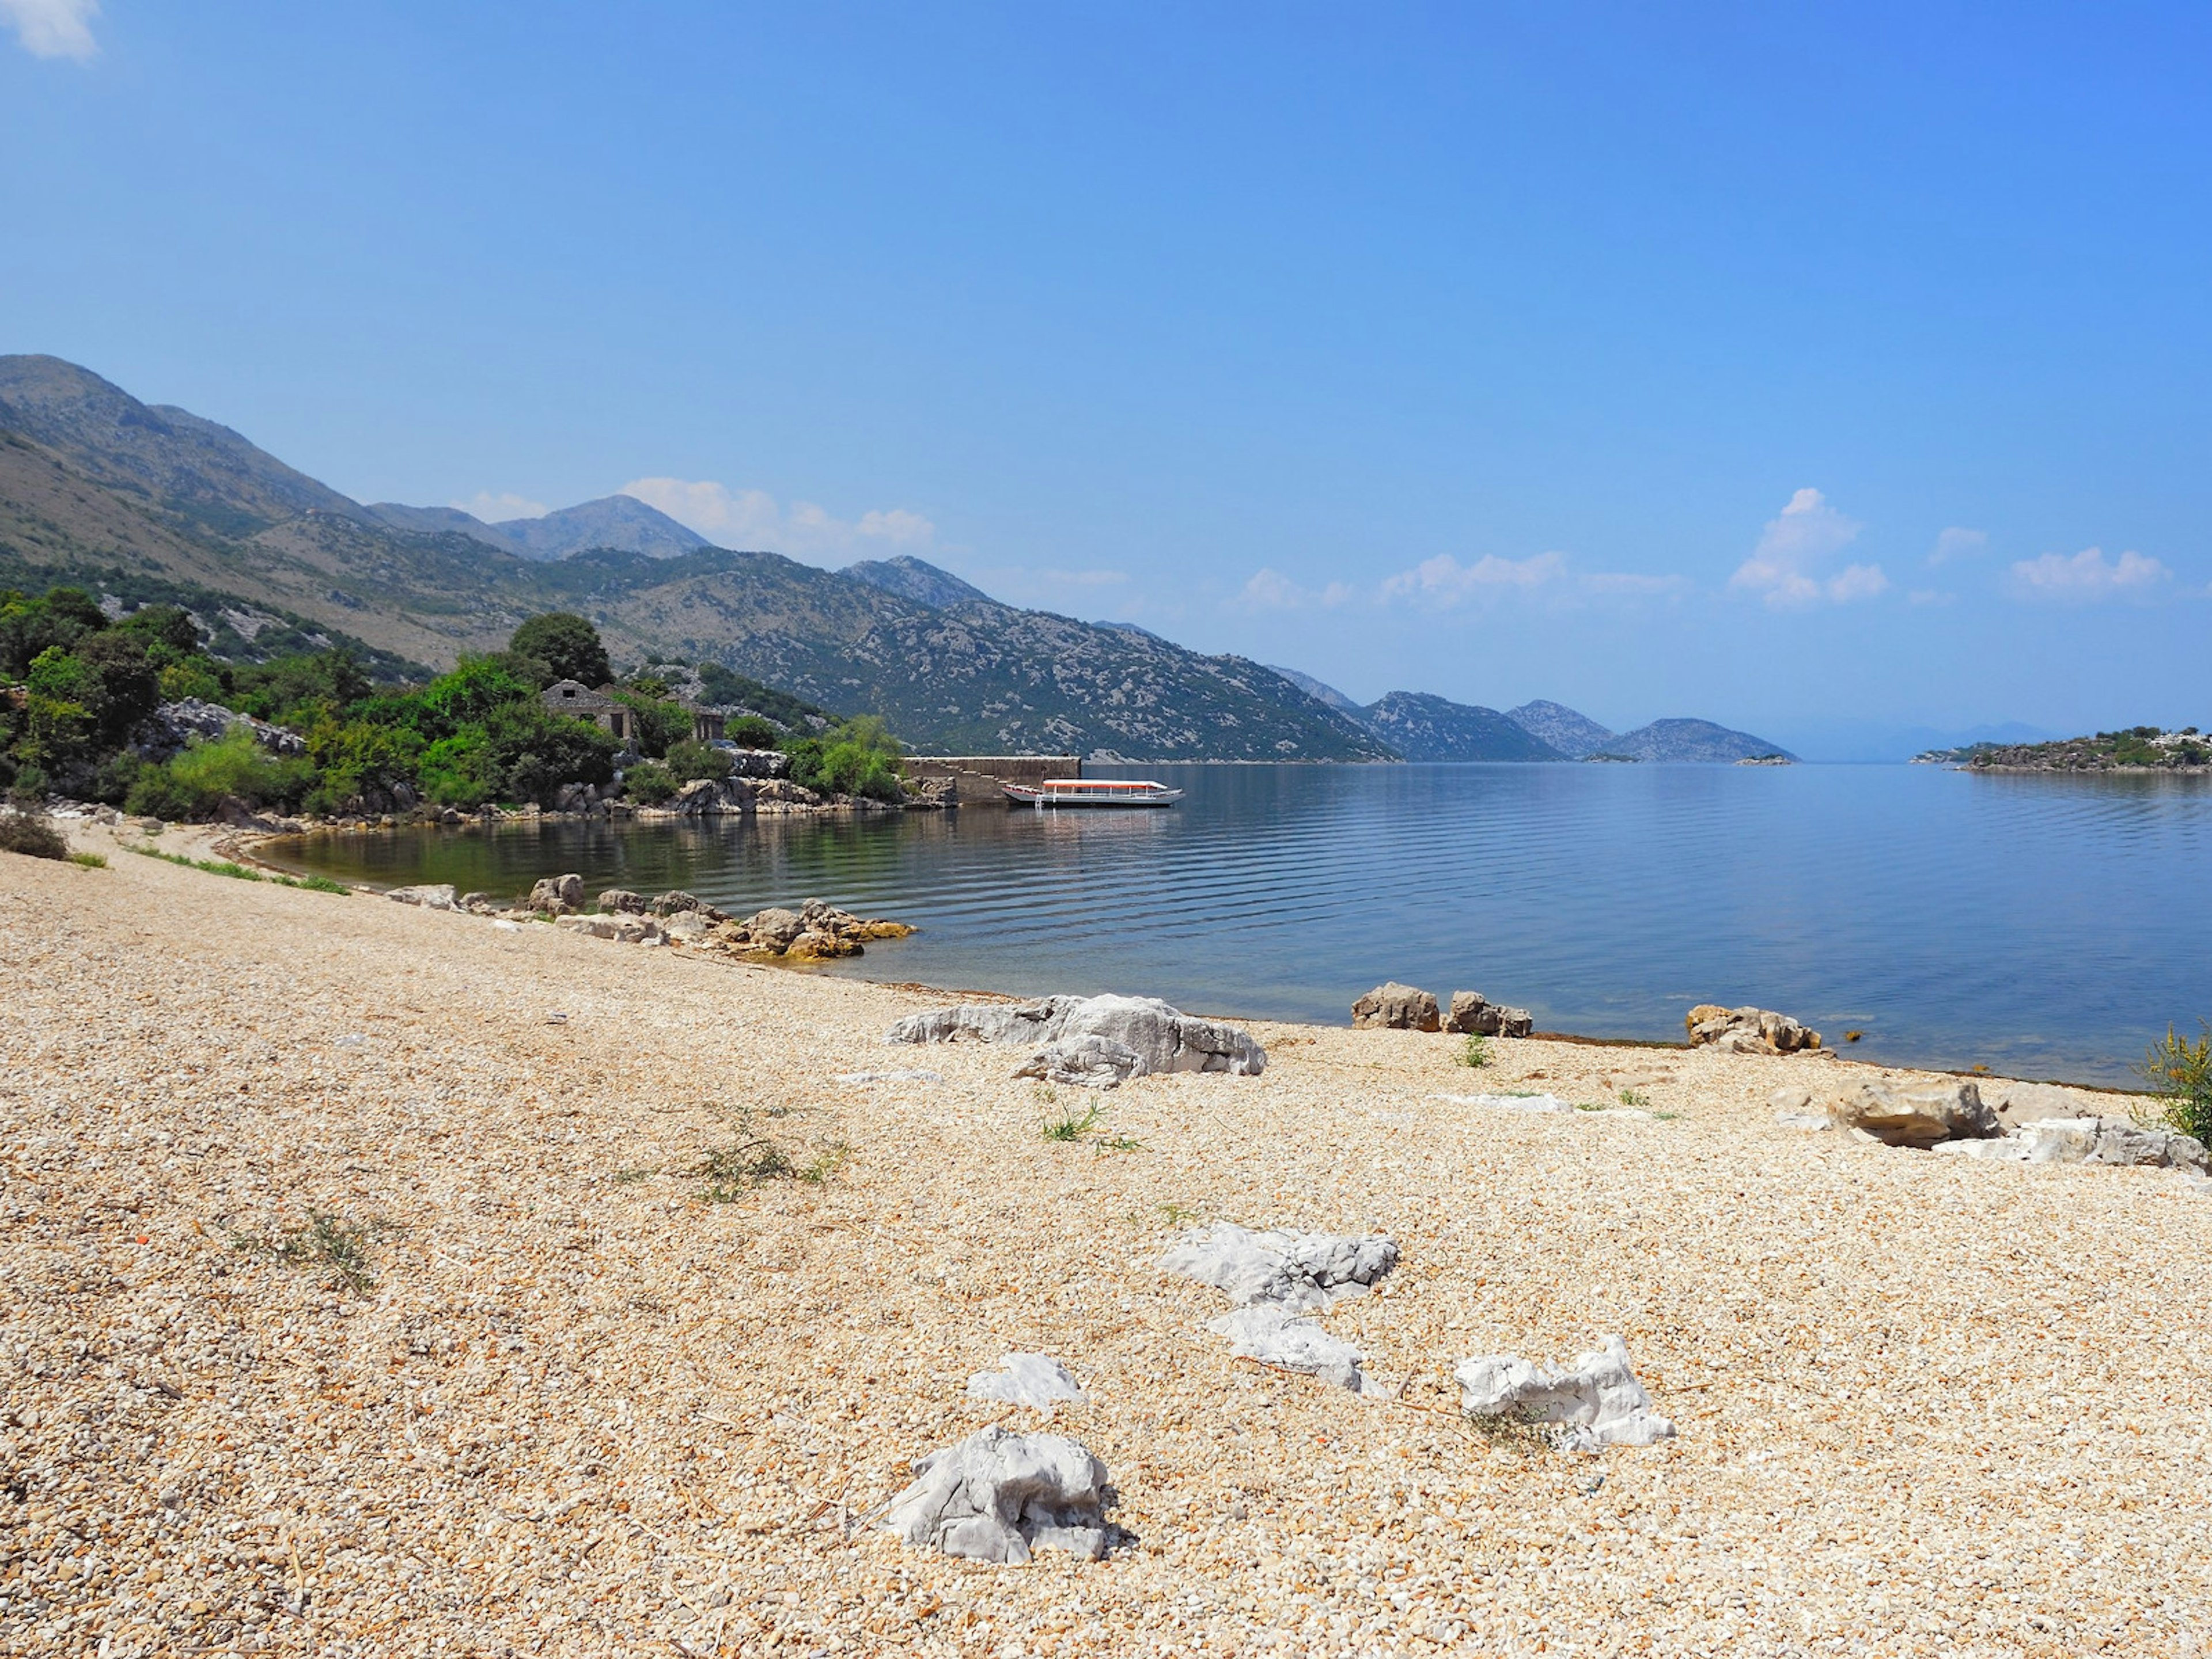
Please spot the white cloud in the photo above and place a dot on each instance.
(53, 29)
(1444, 581)
(1957, 544)
(1271, 590)
(2089, 576)
(753, 518)
(492, 508)
(1785, 568)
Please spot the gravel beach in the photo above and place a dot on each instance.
(541, 1383)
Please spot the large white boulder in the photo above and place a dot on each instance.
(1596, 1401)
(2108, 1140)
(1919, 1114)
(1158, 1037)
(999, 1497)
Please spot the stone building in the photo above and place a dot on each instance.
(579, 702)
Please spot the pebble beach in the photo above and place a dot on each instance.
(367, 1286)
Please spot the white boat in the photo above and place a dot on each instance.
(1091, 792)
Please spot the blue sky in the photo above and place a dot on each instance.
(1803, 367)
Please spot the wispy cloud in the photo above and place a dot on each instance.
(1271, 590)
(1788, 568)
(1442, 583)
(492, 508)
(754, 519)
(53, 29)
(2089, 577)
(1957, 543)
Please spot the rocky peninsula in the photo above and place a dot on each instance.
(384, 1279)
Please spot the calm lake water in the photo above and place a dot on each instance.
(2045, 927)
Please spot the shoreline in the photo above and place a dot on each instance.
(570, 1396)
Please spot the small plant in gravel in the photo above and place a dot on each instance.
(631, 1177)
(33, 835)
(1066, 1123)
(2180, 1073)
(321, 1241)
(1178, 1215)
(1116, 1143)
(754, 1160)
(1634, 1097)
(1516, 1429)
(1477, 1052)
(88, 861)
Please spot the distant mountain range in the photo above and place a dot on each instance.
(141, 503)
(144, 502)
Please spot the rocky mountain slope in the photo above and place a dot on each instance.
(1421, 727)
(99, 488)
(1574, 734)
(915, 578)
(1319, 689)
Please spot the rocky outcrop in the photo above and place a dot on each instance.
(817, 932)
(1001, 1497)
(1748, 1030)
(1475, 1015)
(1593, 1402)
(431, 896)
(2107, 1140)
(1896, 1112)
(622, 929)
(724, 797)
(174, 725)
(620, 900)
(1100, 1041)
(557, 895)
(1396, 1007)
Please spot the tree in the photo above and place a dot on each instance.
(565, 646)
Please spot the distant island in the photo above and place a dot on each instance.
(2136, 749)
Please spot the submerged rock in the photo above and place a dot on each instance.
(1396, 1007)
(1596, 1401)
(999, 1497)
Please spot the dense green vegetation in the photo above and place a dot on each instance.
(2131, 746)
(77, 688)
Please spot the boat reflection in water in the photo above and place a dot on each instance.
(1091, 792)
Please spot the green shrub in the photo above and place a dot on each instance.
(32, 835)
(751, 731)
(860, 757)
(195, 781)
(1477, 1052)
(2180, 1073)
(649, 783)
(690, 760)
(560, 645)
(660, 724)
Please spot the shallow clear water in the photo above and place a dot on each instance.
(2046, 927)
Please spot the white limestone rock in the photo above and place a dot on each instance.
(1090, 1062)
(1027, 1379)
(1162, 1038)
(1511, 1103)
(1275, 1335)
(999, 1497)
(2106, 1140)
(437, 896)
(1596, 1401)
(856, 1079)
(1297, 1271)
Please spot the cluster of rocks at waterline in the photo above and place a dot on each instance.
(1096, 1043)
(1594, 1402)
(817, 932)
(1748, 1030)
(1950, 1115)
(1395, 1007)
